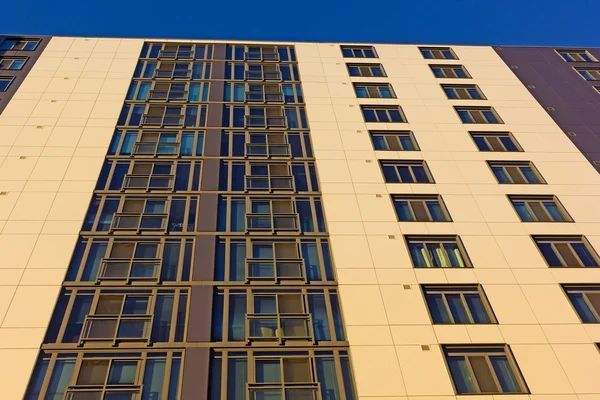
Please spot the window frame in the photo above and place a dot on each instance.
(386, 108)
(10, 80)
(408, 163)
(423, 199)
(466, 88)
(376, 86)
(467, 349)
(569, 53)
(481, 110)
(424, 239)
(485, 134)
(21, 39)
(595, 74)
(450, 66)
(567, 239)
(540, 198)
(517, 164)
(13, 59)
(460, 289)
(396, 135)
(366, 65)
(441, 50)
(581, 289)
(361, 49)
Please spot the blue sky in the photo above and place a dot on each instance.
(487, 22)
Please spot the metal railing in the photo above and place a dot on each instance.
(129, 392)
(267, 150)
(279, 327)
(117, 328)
(178, 54)
(139, 222)
(125, 269)
(163, 120)
(263, 76)
(262, 97)
(272, 222)
(284, 391)
(156, 148)
(168, 95)
(265, 269)
(261, 56)
(171, 74)
(269, 183)
(264, 121)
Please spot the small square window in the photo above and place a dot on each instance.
(438, 53)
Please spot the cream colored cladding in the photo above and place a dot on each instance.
(384, 309)
(54, 135)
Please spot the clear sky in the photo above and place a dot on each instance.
(487, 22)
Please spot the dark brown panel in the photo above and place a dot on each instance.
(207, 218)
(216, 90)
(212, 142)
(215, 115)
(199, 321)
(219, 51)
(195, 374)
(210, 174)
(204, 258)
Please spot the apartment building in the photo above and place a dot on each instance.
(200, 219)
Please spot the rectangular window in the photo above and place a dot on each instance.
(567, 251)
(458, 304)
(12, 63)
(359, 52)
(406, 171)
(383, 114)
(597, 88)
(437, 252)
(366, 70)
(589, 74)
(516, 172)
(394, 140)
(438, 53)
(539, 209)
(576, 56)
(5, 82)
(465, 92)
(19, 44)
(478, 115)
(484, 370)
(450, 71)
(420, 208)
(586, 301)
(374, 90)
(495, 141)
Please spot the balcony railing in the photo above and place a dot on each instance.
(263, 76)
(129, 270)
(272, 222)
(163, 120)
(284, 391)
(173, 74)
(148, 182)
(267, 150)
(179, 54)
(156, 148)
(263, 121)
(166, 95)
(279, 327)
(265, 269)
(256, 56)
(265, 183)
(117, 328)
(139, 222)
(260, 97)
(98, 392)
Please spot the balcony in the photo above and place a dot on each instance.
(285, 391)
(157, 95)
(163, 120)
(129, 270)
(263, 76)
(258, 56)
(265, 269)
(117, 328)
(156, 149)
(267, 150)
(278, 327)
(99, 392)
(178, 54)
(264, 183)
(264, 121)
(172, 74)
(272, 222)
(260, 97)
(148, 182)
(129, 222)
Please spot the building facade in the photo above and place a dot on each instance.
(263, 220)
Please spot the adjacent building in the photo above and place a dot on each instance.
(231, 220)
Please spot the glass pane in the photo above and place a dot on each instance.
(508, 143)
(153, 379)
(122, 373)
(268, 371)
(418, 255)
(483, 374)
(529, 175)
(584, 255)
(407, 143)
(549, 255)
(554, 211)
(500, 175)
(420, 174)
(296, 370)
(477, 308)
(437, 309)
(131, 329)
(92, 372)
(318, 309)
(237, 317)
(481, 143)
(505, 374)
(523, 211)
(463, 380)
(582, 308)
(403, 210)
(265, 304)
(436, 211)
(457, 309)
(237, 376)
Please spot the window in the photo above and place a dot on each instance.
(374, 90)
(17, 44)
(174, 50)
(597, 88)
(406, 171)
(383, 114)
(515, 172)
(463, 92)
(241, 52)
(539, 209)
(366, 70)
(437, 252)
(449, 71)
(586, 301)
(589, 74)
(12, 63)
(567, 251)
(5, 82)
(394, 140)
(576, 56)
(458, 304)
(438, 53)
(426, 208)
(478, 115)
(270, 144)
(495, 141)
(485, 370)
(359, 52)
(262, 176)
